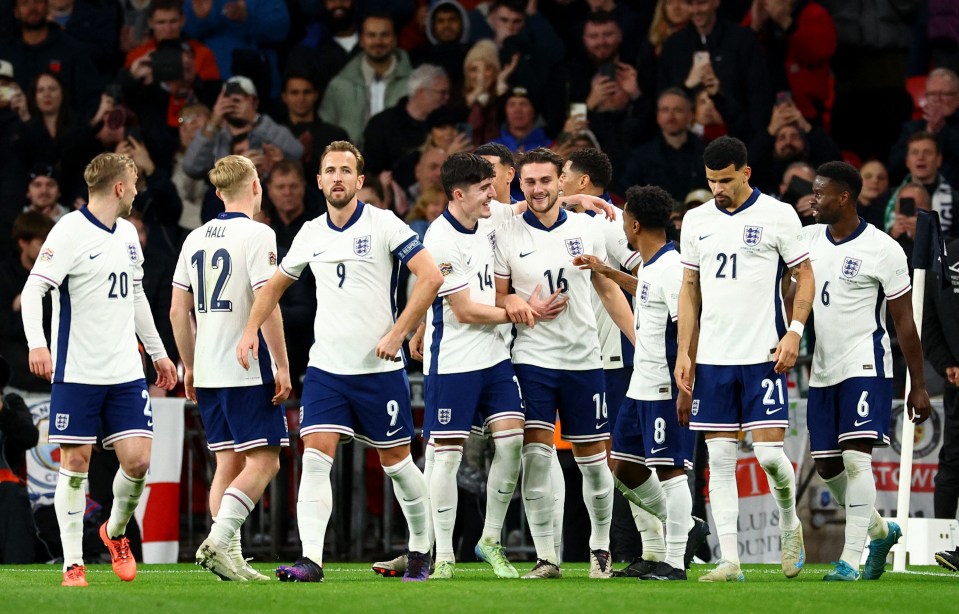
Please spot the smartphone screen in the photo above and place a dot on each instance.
(907, 206)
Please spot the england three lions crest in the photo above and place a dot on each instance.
(132, 252)
(492, 239)
(644, 293)
(444, 415)
(574, 246)
(752, 235)
(361, 245)
(62, 421)
(850, 267)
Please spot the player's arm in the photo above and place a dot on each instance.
(272, 330)
(265, 301)
(31, 310)
(592, 203)
(517, 309)
(181, 319)
(428, 282)
(616, 305)
(788, 348)
(622, 279)
(146, 330)
(417, 342)
(690, 303)
(918, 402)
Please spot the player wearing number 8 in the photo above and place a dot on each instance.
(859, 270)
(92, 262)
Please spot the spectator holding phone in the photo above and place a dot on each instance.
(924, 161)
(165, 20)
(908, 199)
(796, 190)
(485, 81)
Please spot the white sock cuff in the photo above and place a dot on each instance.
(769, 453)
(722, 453)
(72, 474)
(856, 462)
(538, 449)
(583, 461)
(240, 496)
(448, 450)
(676, 482)
(123, 473)
(506, 435)
(393, 470)
(316, 455)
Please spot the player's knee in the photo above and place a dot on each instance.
(137, 467)
(856, 463)
(509, 443)
(828, 468)
(769, 457)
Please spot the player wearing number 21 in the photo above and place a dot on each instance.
(733, 250)
(355, 383)
(558, 362)
(859, 272)
(93, 264)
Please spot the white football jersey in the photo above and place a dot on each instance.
(616, 350)
(356, 269)
(222, 263)
(529, 255)
(93, 270)
(741, 258)
(465, 258)
(854, 278)
(656, 312)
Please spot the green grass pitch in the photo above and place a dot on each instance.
(353, 587)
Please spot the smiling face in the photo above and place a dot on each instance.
(602, 40)
(43, 192)
(338, 178)
(540, 184)
(378, 39)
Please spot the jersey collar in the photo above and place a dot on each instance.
(533, 221)
(855, 233)
(668, 247)
(749, 203)
(93, 220)
(356, 215)
(229, 215)
(456, 225)
(605, 196)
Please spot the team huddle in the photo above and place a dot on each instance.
(560, 306)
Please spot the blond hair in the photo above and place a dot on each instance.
(660, 29)
(231, 173)
(344, 146)
(105, 170)
(428, 197)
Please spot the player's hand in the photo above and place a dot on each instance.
(952, 375)
(684, 373)
(40, 363)
(283, 385)
(684, 405)
(548, 308)
(519, 311)
(249, 342)
(586, 261)
(786, 352)
(188, 384)
(919, 405)
(592, 203)
(388, 346)
(166, 373)
(417, 343)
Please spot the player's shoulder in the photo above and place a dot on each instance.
(126, 229)
(814, 232)
(879, 241)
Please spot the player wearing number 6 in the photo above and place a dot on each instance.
(735, 250)
(859, 271)
(221, 265)
(355, 383)
(93, 264)
(558, 362)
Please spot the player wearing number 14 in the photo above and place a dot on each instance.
(859, 271)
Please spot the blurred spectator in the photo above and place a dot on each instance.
(875, 185)
(241, 34)
(799, 38)
(796, 190)
(93, 25)
(485, 82)
(43, 46)
(923, 160)
(629, 17)
(165, 20)
(427, 172)
(158, 205)
(520, 131)
(17, 435)
(727, 60)
(669, 17)
(191, 120)
(30, 230)
(136, 24)
(235, 118)
(321, 56)
(944, 36)
(708, 124)
(448, 40)
(286, 191)
(789, 138)
(445, 131)
(427, 208)
(501, 158)
(940, 118)
(300, 97)
(13, 113)
(673, 159)
(43, 193)
(392, 134)
(903, 226)
(372, 193)
(370, 82)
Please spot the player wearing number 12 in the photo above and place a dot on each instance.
(355, 383)
(221, 265)
(93, 263)
(859, 272)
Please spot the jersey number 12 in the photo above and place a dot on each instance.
(221, 260)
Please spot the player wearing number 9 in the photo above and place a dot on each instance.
(92, 262)
(859, 271)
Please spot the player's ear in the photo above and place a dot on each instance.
(747, 172)
(218, 195)
(257, 187)
(359, 182)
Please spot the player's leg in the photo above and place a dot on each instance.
(448, 454)
(557, 484)
(411, 493)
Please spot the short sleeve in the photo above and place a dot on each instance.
(689, 247)
(299, 255)
(261, 257)
(450, 263)
(792, 243)
(56, 256)
(599, 242)
(616, 244)
(181, 275)
(672, 281)
(402, 240)
(500, 213)
(893, 272)
(501, 266)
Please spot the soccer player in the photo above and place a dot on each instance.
(468, 374)
(558, 362)
(355, 383)
(733, 248)
(860, 271)
(92, 262)
(221, 265)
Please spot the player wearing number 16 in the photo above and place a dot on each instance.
(355, 383)
(93, 264)
(859, 272)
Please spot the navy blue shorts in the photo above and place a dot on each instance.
(455, 402)
(77, 412)
(739, 398)
(579, 396)
(242, 418)
(374, 408)
(856, 408)
(648, 432)
(617, 383)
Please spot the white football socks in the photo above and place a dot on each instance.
(411, 492)
(648, 505)
(782, 481)
(126, 497)
(724, 495)
(235, 506)
(557, 482)
(878, 529)
(443, 498)
(69, 503)
(538, 498)
(314, 504)
(503, 475)
(598, 496)
(679, 519)
(860, 504)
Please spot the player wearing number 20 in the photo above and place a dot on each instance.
(859, 271)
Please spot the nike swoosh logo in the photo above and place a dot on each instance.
(504, 493)
(770, 412)
(857, 504)
(444, 510)
(522, 255)
(315, 254)
(858, 423)
(92, 256)
(658, 450)
(600, 425)
(535, 498)
(73, 513)
(701, 237)
(391, 433)
(469, 261)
